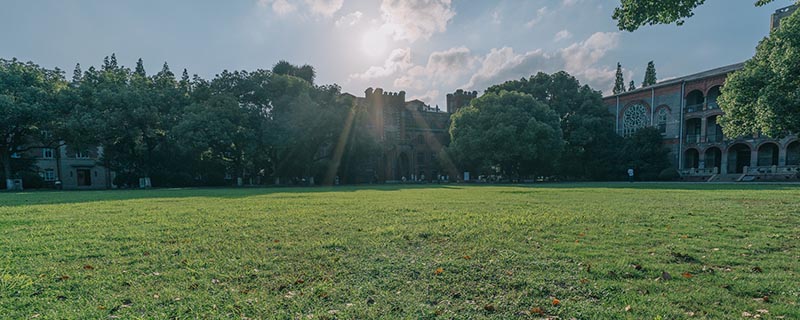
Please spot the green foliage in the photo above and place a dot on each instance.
(632, 14)
(763, 97)
(28, 108)
(289, 252)
(669, 174)
(644, 151)
(649, 75)
(619, 81)
(590, 144)
(510, 131)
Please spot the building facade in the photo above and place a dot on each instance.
(411, 133)
(686, 112)
(69, 168)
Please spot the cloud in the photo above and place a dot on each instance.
(503, 64)
(281, 7)
(497, 17)
(581, 55)
(415, 19)
(562, 35)
(579, 59)
(431, 95)
(318, 7)
(349, 19)
(443, 67)
(539, 15)
(324, 7)
(399, 60)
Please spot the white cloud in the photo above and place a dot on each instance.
(431, 95)
(415, 19)
(579, 59)
(349, 19)
(581, 55)
(399, 60)
(324, 7)
(496, 17)
(504, 64)
(539, 15)
(443, 67)
(562, 35)
(281, 7)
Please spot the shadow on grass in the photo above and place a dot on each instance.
(75, 196)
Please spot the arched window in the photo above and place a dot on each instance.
(661, 119)
(634, 118)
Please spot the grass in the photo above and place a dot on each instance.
(601, 250)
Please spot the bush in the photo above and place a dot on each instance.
(31, 180)
(669, 174)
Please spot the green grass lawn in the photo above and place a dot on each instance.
(466, 252)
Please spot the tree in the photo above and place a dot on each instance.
(590, 143)
(30, 116)
(509, 133)
(649, 75)
(306, 72)
(632, 14)
(763, 97)
(644, 151)
(619, 82)
(631, 86)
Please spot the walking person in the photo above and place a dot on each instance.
(630, 175)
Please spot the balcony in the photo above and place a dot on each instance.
(694, 107)
(713, 105)
(714, 138)
(692, 138)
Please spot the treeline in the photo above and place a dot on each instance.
(256, 127)
(551, 126)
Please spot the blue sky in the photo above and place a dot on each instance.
(427, 48)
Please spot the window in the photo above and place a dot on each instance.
(662, 120)
(421, 158)
(47, 153)
(82, 154)
(49, 175)
(634, 118)
(16, 155)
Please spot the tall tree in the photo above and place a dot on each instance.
(30, 116)
(510, 132)
(589, 139)
(77, 74)
(649, 75)
(139, 71)
(763, 97)
(619, 81)
(644, 151)
(632, 14)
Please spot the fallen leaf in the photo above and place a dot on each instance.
(88, 267)
(627, 308)
(556, 302)
(276, 241)
(299, 281)
(538, 311)
(101, 308)
(686, 275)
(438, 271)
(64, 277)
(467, 257)
(584, 281)
(489, 307)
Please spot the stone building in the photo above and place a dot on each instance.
(685, 111)
(411, 134)
(73, 169)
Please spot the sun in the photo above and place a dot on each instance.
(374, 43)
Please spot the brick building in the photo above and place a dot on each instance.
(411, 134)
(686, 111)
(73, 169)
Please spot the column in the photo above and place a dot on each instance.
(723, 162)
(703, 127)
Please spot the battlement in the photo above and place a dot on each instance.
(459, 99)
(385, 97)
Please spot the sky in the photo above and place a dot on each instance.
(427, 48)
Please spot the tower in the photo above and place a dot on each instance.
(459, 99)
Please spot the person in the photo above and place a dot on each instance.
(630, 174)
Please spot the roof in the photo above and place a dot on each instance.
(697, 76)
